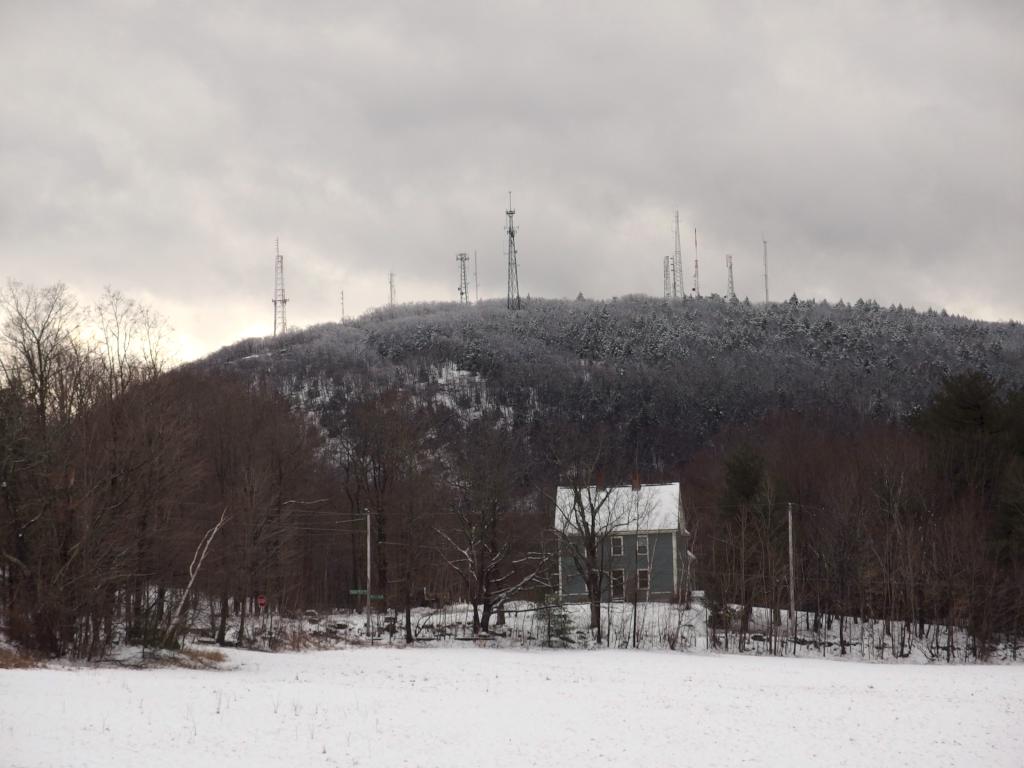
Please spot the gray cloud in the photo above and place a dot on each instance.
(162, 147)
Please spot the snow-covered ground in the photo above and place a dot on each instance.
(469, 706)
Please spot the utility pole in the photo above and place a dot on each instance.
(668, 277)
(280, 302)
(342, 307)
(792, 578)
(369, 577)
(513, 263)
(476, 279)
(391, 289)
(463, 284)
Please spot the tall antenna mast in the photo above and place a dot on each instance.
(391, 289)
(765, 244)
(513, 265)
(677, 265)
(463, 284)
(476, 279)
(279, 300)
(696, 266)
(730, 293)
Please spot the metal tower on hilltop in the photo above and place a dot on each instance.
(391, 289)
(730, 292)
(463, 282)
(280, 301)
(678, 291)
(696, 266)
(513, 265)
(765, 244)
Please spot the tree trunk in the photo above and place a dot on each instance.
(223, 626)
(594, 593)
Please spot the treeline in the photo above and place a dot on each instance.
(139, 503)
(673, 372)
(920, 525)
(112, 474)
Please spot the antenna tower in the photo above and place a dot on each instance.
(279, 300)
(696, 266)
(513, 265)
(730, 293)
(677, 265)
(463, 284)
(765, 244)
(391, 289)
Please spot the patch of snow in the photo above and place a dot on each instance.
(467, 706)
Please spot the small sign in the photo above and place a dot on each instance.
(363, 592)
(261, 601)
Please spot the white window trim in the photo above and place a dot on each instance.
(621, 547)
(622, 584)
(647, 545)
(648, 572)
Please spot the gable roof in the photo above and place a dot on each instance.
(619, 509)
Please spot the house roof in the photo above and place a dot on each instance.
(619, 509)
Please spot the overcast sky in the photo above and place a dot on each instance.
(161, 147)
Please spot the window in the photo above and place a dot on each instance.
(641, 546)
(616, 546)
(643, 579)
(618, 583)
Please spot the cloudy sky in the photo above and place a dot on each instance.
(161, 147)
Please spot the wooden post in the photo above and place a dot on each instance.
(369, 577)
(792, 588)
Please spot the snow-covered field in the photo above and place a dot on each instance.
(496, 707)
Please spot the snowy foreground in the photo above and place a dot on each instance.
(470, 706)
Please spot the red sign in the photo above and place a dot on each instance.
(261, 600)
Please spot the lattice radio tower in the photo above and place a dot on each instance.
(696, 266)
(730, 292)
(391, 289)
(765, 244)
(463, 282)
(678, 291)
(513, 265)
(279, 300)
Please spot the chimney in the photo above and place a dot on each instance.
(636, 479)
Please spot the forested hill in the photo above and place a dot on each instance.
(666, 374)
